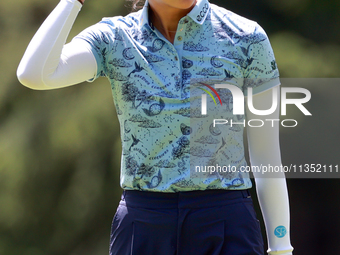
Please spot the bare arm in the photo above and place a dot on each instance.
(47, 62)
(264, 149)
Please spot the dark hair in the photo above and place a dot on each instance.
(136, 4)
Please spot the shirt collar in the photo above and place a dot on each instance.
(198, 13)
(144, 17)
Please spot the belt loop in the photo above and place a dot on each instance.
(123, 195)
(246, 193)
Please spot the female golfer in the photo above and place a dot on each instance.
(185, 179)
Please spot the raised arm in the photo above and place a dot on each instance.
(48, 63)
(264, 149)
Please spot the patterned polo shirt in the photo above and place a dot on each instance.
(168, 144)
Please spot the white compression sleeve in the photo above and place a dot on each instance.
(264, 149)
(47, 63)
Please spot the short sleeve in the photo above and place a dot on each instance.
(99, 39)
(261, 72)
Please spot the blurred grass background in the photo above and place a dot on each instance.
(60, 149)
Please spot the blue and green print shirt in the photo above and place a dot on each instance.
(168, 144)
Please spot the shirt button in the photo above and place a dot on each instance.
(179, 38)
(176, 58)
(177, 77)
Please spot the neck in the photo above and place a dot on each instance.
(159, 16)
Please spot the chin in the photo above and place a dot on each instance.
(179, 4)
(185, 4)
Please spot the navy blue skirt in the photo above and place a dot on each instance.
(213, 222)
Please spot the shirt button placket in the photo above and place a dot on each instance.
(178, 44)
